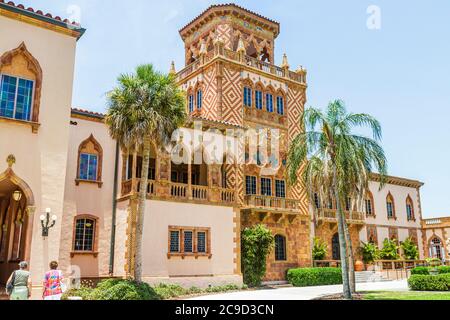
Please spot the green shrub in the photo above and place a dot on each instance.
(390, 250)
(256, 244)
(420, 270)
(168, 291)
(82, 292)
(429, 283)
(369, 252)
(115, 289)
(319, 251)
(410, 250)
(305, 277)
(443, 269)
(226, 288)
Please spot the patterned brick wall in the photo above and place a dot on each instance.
(326, 231)
(297, 235)
(295, 106)
(232, 108)
(210, 110)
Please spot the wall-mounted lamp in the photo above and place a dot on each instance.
(17, 195)
(46, 223)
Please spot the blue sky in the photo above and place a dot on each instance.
(398, 73)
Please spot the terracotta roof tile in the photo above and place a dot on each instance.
(39, 12)
(88, 113)
(224, 6)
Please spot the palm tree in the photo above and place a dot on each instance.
(144, 108)
(334, 161)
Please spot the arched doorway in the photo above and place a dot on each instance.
(335, 247)
(436, 250)
(16, 207)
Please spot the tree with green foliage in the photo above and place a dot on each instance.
(389, 250)
(145, 107)
(319, 251)
(336, 163)
(410, 250)
(256, 244)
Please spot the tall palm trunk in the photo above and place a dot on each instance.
(342, 241)
(141, 210)
(351, 258)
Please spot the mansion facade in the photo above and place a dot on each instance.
(64, 159)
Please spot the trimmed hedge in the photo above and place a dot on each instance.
(426, 270)
(307, 277)
(420, 270)
(429, 283)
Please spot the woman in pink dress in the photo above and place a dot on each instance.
(53, 283)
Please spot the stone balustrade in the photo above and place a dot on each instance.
(353, 217)
(271, 203)
(165, 190)
(252, 63)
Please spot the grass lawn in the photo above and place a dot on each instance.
(406, 295)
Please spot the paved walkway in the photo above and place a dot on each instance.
(307, 293)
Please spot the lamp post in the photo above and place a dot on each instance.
(17, 195)
(46, 223)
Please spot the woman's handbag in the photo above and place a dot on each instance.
(10, 284)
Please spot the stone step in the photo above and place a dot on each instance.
(370, 276)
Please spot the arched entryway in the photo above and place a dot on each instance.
(335, 247)
(16, 208)
(436, 248)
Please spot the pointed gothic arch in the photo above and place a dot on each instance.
(20, 62)
(93, 147)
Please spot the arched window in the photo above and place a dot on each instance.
(280, 248)
(436, 248)
(335, 246)
(369, 204)
(190, 96)
(20, 85)
(248, 96)
(199, 99)
(390, 206)
(90, 158)
(259, 97)
(410, 209)
(85, 234)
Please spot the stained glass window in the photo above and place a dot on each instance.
(84, 235)
(88, 167)
(16, 97)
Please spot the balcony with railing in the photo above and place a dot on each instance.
(181, 191)
(251, 63)
(271, 204)
(330, 215)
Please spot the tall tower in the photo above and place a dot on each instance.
(231, 78)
